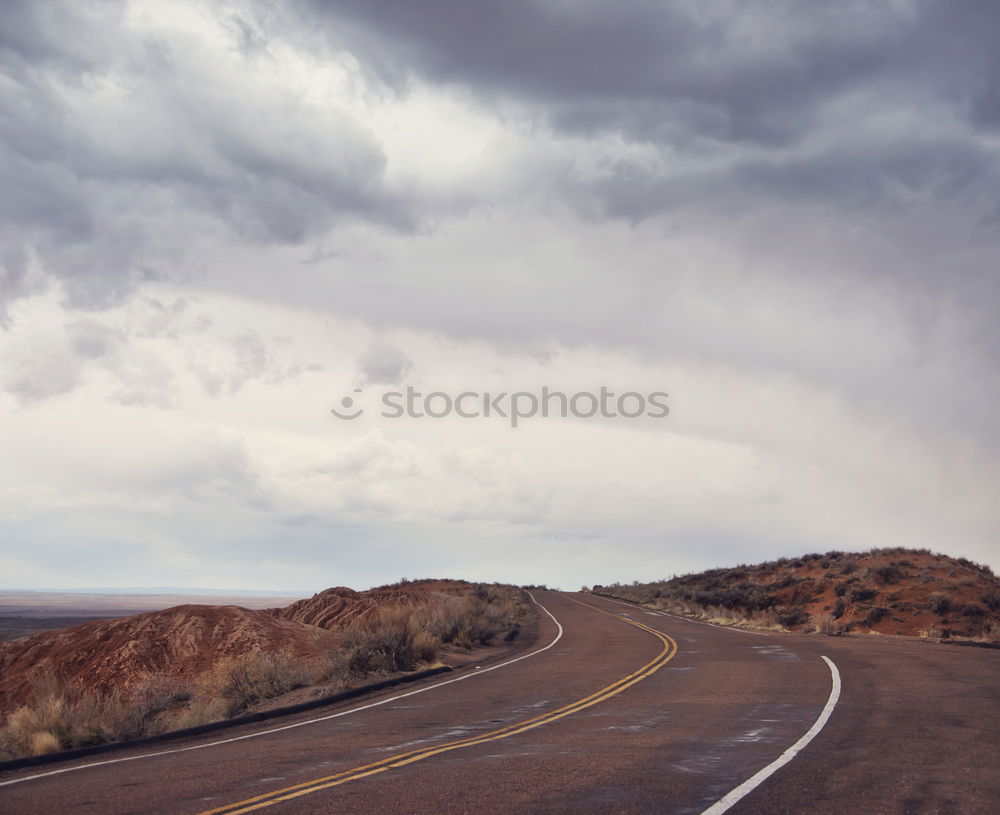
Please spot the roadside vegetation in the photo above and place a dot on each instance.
(911, 592)
(397, 638)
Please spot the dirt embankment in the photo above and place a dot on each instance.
(187, 641)
(184, 640)
(887, 591)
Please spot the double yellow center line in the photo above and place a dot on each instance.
(402, 759)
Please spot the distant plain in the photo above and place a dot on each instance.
(23, 613)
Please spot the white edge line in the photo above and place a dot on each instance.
(712, 625)
(558, 637)
(759, 778)
(686, 619)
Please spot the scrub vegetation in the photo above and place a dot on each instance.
(380, 641)
(908, 592)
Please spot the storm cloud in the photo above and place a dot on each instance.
(217, 221)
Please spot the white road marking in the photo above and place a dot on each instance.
(687, 619)
(713, 625)
(759, 778)
(559, 633)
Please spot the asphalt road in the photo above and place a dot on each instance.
(667, 716)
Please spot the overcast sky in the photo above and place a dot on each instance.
(218, 220)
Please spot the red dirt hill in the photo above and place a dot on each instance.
(187, 641)
(886, 591)
(183, 640)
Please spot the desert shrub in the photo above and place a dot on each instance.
(793, 616)
(397, 639)
(61, 717)
(829, 625)
(838, 609)
(888, 575)
(249, 679)
(992, 600)
(43, 742)
(425, 646)
(745, 597)
(973, 610)
(941, 604)
(28, 726)
(978, 567)
(383, 645)
(876, 615)
(991, 632)
(400, 638)
(863, 595)
(471, 621)
(123, 713)
(202, 710)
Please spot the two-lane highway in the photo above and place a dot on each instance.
(615, 710)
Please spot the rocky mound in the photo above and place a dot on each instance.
(338, 607)
(186, 641)
(887, 591)
(181, 641)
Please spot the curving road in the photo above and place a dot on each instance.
(613, 709)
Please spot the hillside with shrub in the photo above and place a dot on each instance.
(886, 591)
(193, 664)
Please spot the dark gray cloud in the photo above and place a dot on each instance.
(112, 139)
(874, 122)
(750, 71)
(757, 97)
(119, 145)
(736, 72)
(752, 120)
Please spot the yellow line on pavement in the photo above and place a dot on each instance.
(402, 759)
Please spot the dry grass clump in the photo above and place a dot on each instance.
(828, 624)
(478, 619)
(200, 711)
(941, 604)
(400, 639)
(43, 743)
(386, 644)
(62, 718)
(990, 633)
(243, 681)
(29, 726)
